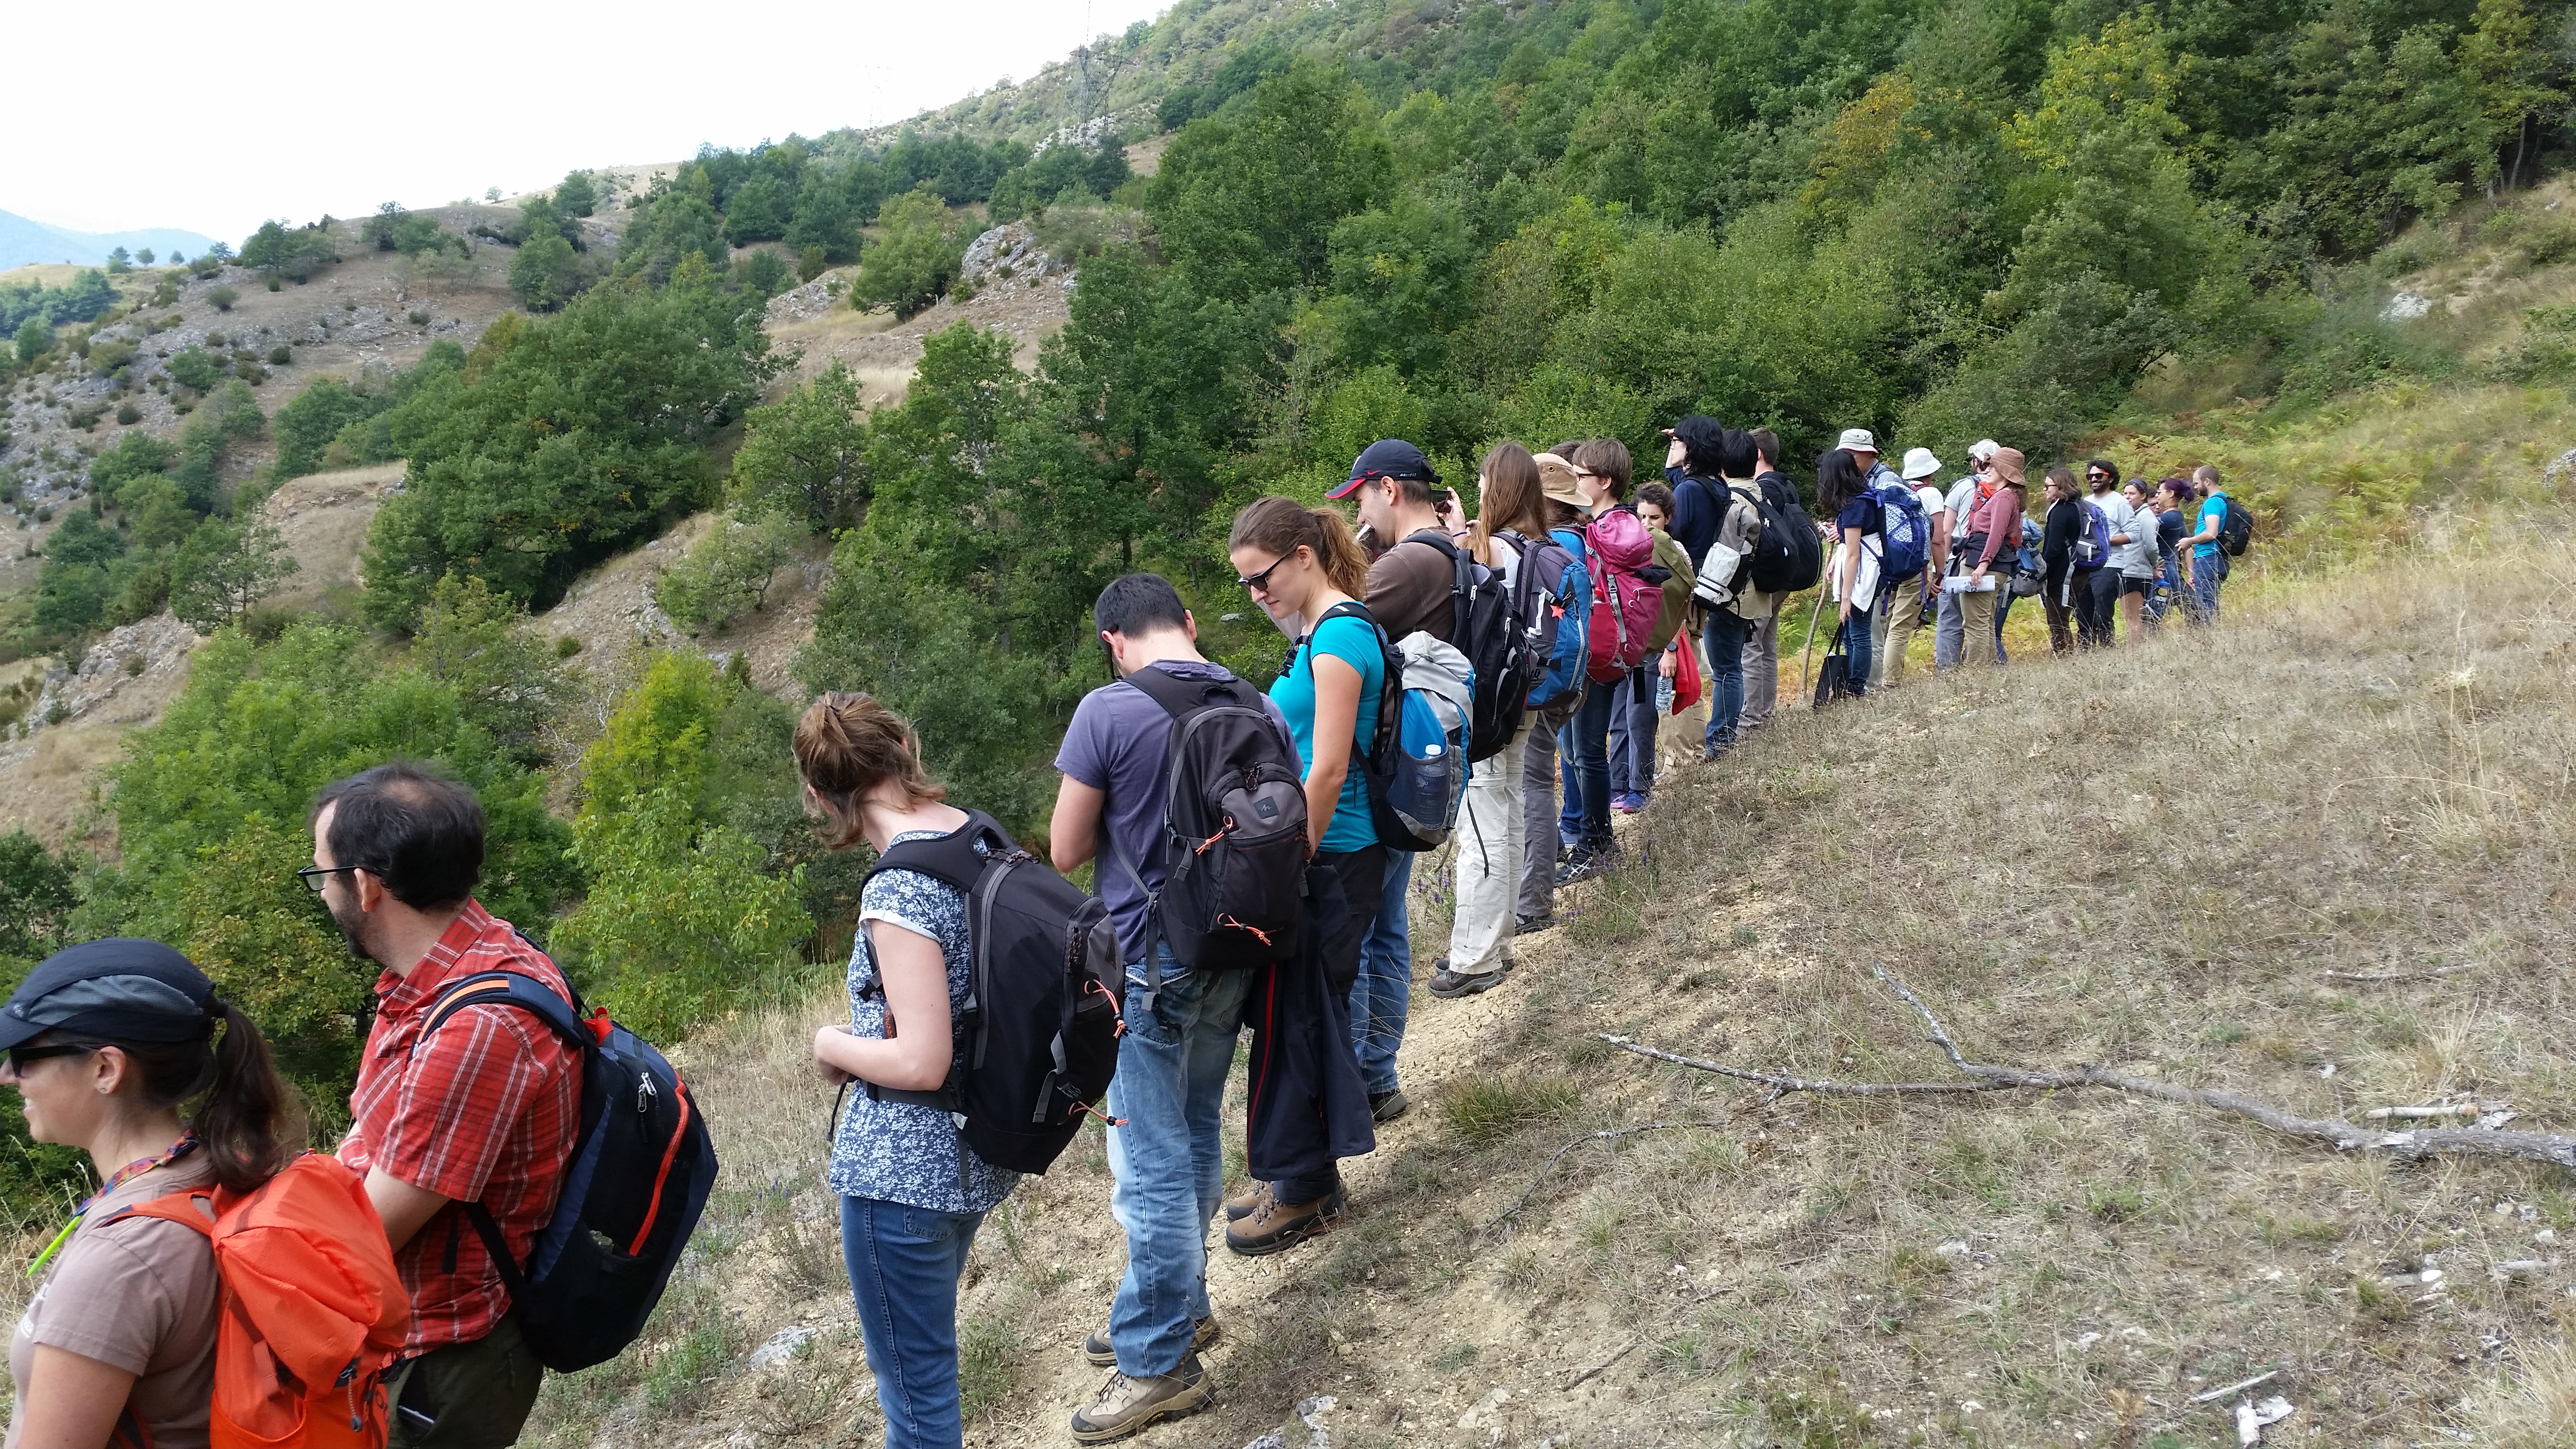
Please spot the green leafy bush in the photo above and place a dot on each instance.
(727, 574)
(918, 258)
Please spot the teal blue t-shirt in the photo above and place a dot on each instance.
(2212, 507)
(1354, 643)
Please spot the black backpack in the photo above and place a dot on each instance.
(1037, 1037)
(638, 1177)
(1789, 555)
(1489, 624)
(1234, 830)
(2236, 530)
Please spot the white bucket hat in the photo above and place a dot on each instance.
(1983, 450)
(1857, 440)
(1919, 463)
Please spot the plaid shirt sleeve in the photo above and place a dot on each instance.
(461, 1094)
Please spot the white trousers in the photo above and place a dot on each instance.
(1488, 871)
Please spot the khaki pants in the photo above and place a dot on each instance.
(1977, 618)
(1761, 674)
(1892, 627)
(466, 1395)
(1489, 863)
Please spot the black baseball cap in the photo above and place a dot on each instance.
(123, 988)
(1386, 458)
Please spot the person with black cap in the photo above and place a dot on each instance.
(104, 1042)
(1414, 528)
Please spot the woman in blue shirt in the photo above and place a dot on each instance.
(1301, 564)
(1858, 519)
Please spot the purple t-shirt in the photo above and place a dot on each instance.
(1118, 744)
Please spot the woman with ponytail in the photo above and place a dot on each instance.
(107, 1043)
(1301, 565)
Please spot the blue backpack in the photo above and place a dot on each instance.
(1416, 764)
(1907, 532)
(2093, 546)
(1556, 563)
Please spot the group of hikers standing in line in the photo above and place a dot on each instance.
(1469, 671)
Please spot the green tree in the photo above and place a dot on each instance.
(805, 454)
(480, 645)
(563, 438)
(36, 894)
(547, 273)
(253, 928)
(918, 258)
(576, 194)
(223, 569)
(1247, 202)
(307, 425)
(35, 339)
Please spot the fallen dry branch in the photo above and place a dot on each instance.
(2555, 1148)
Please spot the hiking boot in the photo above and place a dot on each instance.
(1097, 1348)
(1532, 925)
(1247, 1202)
(1388, 1105)
(1277, 1226)
(1587, 866)
(1448, 984)
(1127, 1405)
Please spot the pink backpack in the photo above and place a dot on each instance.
(1624, 604)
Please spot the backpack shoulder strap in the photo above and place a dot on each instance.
(1462, 581)
(951, 858)
(512, 988)
(1180, 697)
(178, 1207)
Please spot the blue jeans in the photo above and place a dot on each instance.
(2204, 589)
(1380, 993)
(1587, 743)
(1724, 638)
(904, 1265)
(1633, 726)
(1855, 631)
(1169, 1158)
(1569, 820)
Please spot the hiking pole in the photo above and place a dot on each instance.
(1810, 646)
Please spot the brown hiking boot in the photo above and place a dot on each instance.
(1247, 1202)
(1127, 1405)
(1097, 1348)
(1277, 1226)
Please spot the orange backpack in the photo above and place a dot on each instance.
(311, 1312)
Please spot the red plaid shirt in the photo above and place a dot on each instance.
(485, 1111)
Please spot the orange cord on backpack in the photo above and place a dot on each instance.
(1109, 1121)
(1256, 932)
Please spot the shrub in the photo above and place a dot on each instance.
(917, 260)
(35, 337)
(727, 574)
(128, 414)
(221, 298)
(280, 355)
(194, 367)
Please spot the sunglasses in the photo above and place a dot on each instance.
(22, 1057)
(315, 877)
(1260, 582)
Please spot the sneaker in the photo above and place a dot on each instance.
(1388, 1105)
(1447, 984)
(1097, 1348)
(1532, 925)
(1623, 804)
(1247, 1202)
(1278, 1226)
(1126, 1405)
(1588, 866)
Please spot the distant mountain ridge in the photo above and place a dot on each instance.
(23, 241)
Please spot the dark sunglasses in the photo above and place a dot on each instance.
(22, 1057)
(315, 877)
(1261, 580)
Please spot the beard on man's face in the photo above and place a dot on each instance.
(353, 924)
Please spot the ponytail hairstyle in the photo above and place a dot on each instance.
(1283, 526)
(248, 1122)
(846, 746)
(1512, 497)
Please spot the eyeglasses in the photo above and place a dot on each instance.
(2097, 477)
(21, 1057)
(315, 877)
(1260, 583)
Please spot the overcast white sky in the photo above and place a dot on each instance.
(182, 115)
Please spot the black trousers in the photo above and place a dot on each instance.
(1309, 1106)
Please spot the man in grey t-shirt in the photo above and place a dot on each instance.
(1169, 1093)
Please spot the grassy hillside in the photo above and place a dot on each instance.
(2231, 860)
